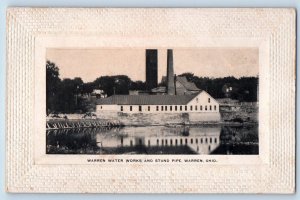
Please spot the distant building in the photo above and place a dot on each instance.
(182, 87)
(99, 93)
(162, 90)
(228, 90)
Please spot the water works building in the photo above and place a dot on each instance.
(196, 103)
(179, 97)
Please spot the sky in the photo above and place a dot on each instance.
(90, 64)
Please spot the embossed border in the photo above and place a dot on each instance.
(275, 26)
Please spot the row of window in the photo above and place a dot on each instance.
(176, 108)
(185, 141)
(178, 142)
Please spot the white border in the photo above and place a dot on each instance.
(42, 43)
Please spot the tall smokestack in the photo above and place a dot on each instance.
(170, 73)
(151, 68)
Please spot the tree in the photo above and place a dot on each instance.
(69, 98)
(106, 83)
(137, 85)
(87, 88)
(52, 85)
(244, 88)
(62, 96)
(189, 76)
(118, 84)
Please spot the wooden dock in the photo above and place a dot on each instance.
(80, 123)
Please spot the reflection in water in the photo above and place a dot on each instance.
(154, 140)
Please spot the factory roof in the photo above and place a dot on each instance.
(187, 84)
(147, 99)
(183, 80)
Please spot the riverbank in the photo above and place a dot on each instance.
(240, 112)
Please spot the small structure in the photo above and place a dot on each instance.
(228, 90)
(99, 93)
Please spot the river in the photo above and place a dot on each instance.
(208, 139)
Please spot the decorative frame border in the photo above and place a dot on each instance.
(274, 27)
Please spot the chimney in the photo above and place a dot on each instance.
(170, 73)
(151, 68)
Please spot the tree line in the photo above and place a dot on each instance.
(68, 95)
(242, 89)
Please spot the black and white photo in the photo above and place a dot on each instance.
(152, 101)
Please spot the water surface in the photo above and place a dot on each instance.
(213, 139)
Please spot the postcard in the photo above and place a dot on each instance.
(150, 100)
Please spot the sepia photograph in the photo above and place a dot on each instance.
(152, 101)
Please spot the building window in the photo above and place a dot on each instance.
(201, 140)
(186, 141)
(157, 108)
(215, 140)
(208, 100)
(200, 107)
(206, 140)
(210, 140)
(191, 140)
(215, 107)
(205, 107)
(130, 108)
(185, 107)
(196, 140)
(180, 108)
(148, 108)
(175, 108)
(170, 108)
(148, 142)
(209, 107)
(101, 107)
(121, 108)
(162, 108)
(157, 142)
(166, 108)
(196, 107)
(180, 141)
(140, 108)
(166, 142)
(191, 108)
